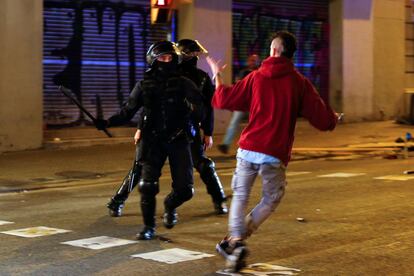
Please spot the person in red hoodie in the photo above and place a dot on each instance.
(275, 95)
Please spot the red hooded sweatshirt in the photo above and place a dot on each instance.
(275, 95)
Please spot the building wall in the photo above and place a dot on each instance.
(335, 52)
(370, 35)
(409, 58)
(389, 58)
(358, 59)
(210, 22)
(21, 92)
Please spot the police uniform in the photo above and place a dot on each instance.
(204, 165)
(170, 102)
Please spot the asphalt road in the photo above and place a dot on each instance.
(355, 225)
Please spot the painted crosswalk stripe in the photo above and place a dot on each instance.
(296, 173)
(227, 174)
(395, 177)
(4, 222)
(34, 232)
(172, 256)
(340, 175)
(100, 242)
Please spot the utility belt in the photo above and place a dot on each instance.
(169, 136)
(152, 131)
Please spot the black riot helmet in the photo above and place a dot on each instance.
(191, 49)
(160, 48)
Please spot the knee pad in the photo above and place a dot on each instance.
(150, 188)
(185, 194)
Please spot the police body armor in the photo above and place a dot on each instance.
(166, 109)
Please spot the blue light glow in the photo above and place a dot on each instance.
(308, 65)
(93, 62)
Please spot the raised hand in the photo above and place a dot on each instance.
(215, 66)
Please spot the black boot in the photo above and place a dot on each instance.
(221, 208)
(148, 203)
(170, 218)
(148, 233)
(208, 174)
(115, 207)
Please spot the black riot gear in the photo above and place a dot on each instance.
(148, 190)
(155, 148)
(168, 102)
(191, 49)
(188, 46)
(162, 48)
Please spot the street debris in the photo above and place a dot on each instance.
(261, 269)
(299, 219)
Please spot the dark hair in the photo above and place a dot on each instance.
(289, 43)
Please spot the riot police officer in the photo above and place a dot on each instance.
(170, 102)
(191, 50)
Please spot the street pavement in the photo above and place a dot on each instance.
(339, 215)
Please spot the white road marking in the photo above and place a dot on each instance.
(34, 232)
(296, 173)
(227, 174)
(4, 222)
(172, 256)
(395, 177)
(100, 242)
(340, 174)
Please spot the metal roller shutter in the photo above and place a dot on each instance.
(254, 22)
(96, 48)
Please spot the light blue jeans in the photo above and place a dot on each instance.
(273, 188)
(233, 127)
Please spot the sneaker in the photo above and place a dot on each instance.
(221, 208)
(170, 218)
(148, 233)
(223, 148)
(115, 207)
(235, 255)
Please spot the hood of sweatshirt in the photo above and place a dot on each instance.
(275, 67)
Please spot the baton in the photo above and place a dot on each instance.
(68, 93)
